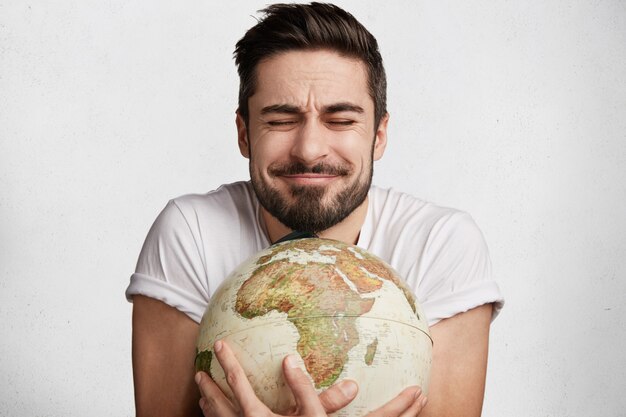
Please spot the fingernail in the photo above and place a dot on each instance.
(348, 388)
(424, 401)
(291, 361)
(418, 393)
(198, 377)
(217, 346)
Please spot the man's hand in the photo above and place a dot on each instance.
(214, 403)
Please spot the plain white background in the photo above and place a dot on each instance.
(512, 111)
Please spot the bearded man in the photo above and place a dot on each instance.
(312, 120)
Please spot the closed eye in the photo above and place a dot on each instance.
(281, 122)
(341, 122)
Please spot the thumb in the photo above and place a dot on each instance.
(339, 395)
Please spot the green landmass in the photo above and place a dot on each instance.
(203, 361)
(371, 352)
(318, 301)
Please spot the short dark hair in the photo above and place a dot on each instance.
(286, 27)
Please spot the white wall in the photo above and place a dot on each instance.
(513, 111)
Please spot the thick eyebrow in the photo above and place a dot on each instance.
(280, 108)
(330, 109)
(341, 107)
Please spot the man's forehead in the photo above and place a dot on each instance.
(299, 77)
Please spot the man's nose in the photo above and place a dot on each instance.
(311, 142)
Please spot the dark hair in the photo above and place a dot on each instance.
(286, 27)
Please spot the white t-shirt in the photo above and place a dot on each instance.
(197, 240)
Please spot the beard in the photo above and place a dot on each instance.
(312, 209)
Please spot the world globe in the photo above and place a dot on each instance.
(341, 310)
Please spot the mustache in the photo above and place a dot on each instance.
(295, 168)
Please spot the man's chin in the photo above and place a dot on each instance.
(310, 207)
(308, 191)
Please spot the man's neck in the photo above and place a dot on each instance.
(346, 231)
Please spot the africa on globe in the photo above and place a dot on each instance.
(340, 309)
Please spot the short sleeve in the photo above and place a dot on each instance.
(171, 267)
(456, 270)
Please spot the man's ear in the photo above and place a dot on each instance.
(380, 140)
(242, 136)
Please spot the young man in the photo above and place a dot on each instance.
(311, 120)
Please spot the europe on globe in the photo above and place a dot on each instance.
(343, 311)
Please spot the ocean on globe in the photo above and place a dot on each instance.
(344, 312)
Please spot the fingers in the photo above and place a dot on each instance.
(238, 381)
(408, 403)
(213, 402)
(417, 406)
(306, 397)
(339, 395)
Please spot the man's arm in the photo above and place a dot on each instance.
(163, 360)
(457, 383)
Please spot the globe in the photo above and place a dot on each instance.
(341, 310)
